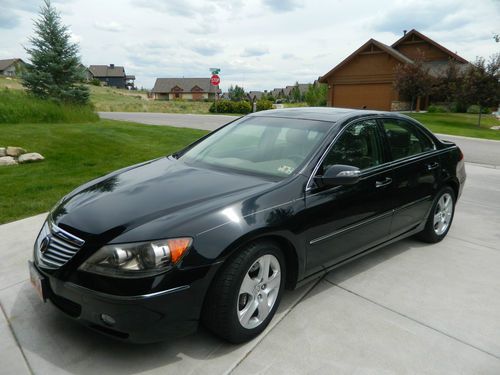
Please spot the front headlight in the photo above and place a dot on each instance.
(138, 259)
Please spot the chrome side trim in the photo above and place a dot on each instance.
(412, 203)
(367, 221)
(125, 298)
(350, 227)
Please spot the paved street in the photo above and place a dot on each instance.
(205, 122)
(475, 150)
(408, 308)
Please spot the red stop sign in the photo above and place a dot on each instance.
(214, 80)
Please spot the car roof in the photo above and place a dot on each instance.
(329, 114)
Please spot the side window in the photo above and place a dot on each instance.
(359, 146)
(405, 139)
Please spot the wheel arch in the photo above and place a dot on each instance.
(285, 244)
(454, 184)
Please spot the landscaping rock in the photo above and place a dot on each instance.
(15, 151)
(2, 151)
(30, 157)
(7, 160)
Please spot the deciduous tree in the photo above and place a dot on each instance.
(413, 80)
(482, 83)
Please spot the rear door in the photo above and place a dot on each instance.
(416, 168)
(344, 220)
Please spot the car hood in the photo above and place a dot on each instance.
(132, 197)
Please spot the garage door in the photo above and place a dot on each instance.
(369, 96)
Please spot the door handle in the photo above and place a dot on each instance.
(385, 182)
(432, 166)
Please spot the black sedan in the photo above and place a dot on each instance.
(215, 232)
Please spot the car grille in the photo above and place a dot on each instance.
(55, 247)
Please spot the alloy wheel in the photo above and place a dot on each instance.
(443, 214)
(259, 291)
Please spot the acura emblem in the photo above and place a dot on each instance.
(44, 245)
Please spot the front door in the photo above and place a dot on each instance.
(345, 220)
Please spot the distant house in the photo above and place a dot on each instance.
(254, 95)
(184, 88)
(112, 75)
(277, 93)
(87, 76)
(365, 79)
(303, 87)
(11, 67)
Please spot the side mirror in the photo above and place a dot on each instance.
(339, 175)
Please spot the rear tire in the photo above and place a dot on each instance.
(440, 217)
(245, 295)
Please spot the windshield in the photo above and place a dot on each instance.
(263, 145)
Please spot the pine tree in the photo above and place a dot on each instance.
(54, 72)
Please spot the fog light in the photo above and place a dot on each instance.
(108, 320)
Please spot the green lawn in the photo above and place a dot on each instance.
(459, 124)
(76, 153)
(107, 99)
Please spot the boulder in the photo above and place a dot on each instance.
(7, 160)
(30, 157)
(2, 151)
(15, 151)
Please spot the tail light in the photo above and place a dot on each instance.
(460, 155)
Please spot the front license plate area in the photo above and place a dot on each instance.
(37, 281)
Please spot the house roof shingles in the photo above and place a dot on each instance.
(4, 64)
(107, 71)
(165, 85)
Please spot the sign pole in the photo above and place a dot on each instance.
(215, 81)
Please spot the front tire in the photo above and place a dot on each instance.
(244, 297)
(440, 218)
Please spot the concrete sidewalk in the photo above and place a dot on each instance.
(407, 308)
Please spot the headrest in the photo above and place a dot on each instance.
(399, 138)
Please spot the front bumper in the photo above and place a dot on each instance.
(141, 319)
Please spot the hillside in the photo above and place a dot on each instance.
(108, 99)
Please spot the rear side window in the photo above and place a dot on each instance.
(405, 139)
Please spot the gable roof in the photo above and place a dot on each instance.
(107, 71)
(276, 92)
(255, 94)
(384, 47)
(164, 85)
(4, 64)
(412, 32)
(303, 87)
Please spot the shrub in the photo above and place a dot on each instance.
(95, 82)
(18, 107)
(458, 107)
(263, 105)
(227, 106)
(475, 109)
(437, 109)
(243, 107)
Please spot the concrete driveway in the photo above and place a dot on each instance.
(408, 308)
(480, 151)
